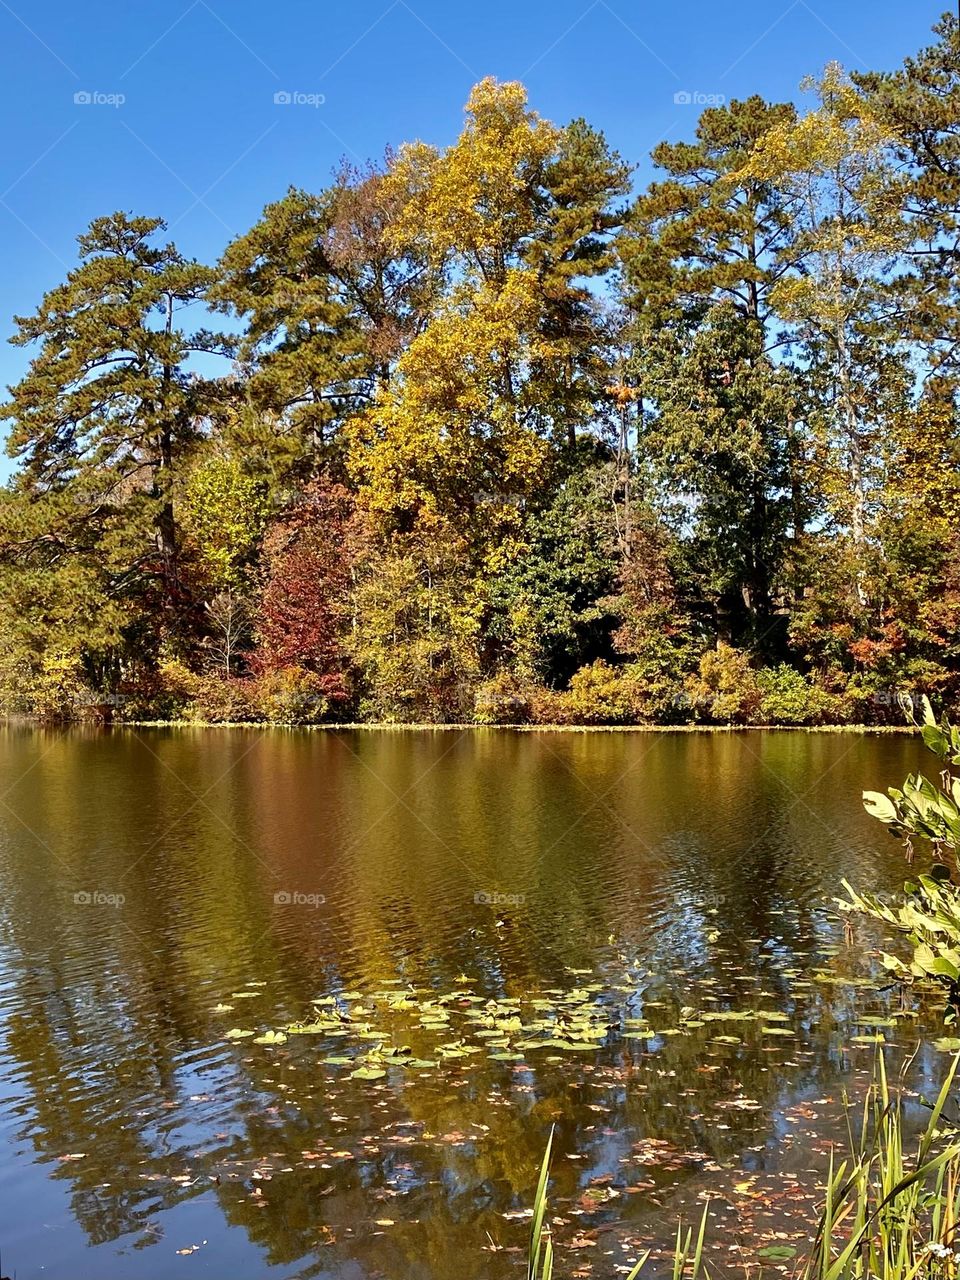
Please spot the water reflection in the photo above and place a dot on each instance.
(148, 877)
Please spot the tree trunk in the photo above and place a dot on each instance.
(166, 520)
(855, 465)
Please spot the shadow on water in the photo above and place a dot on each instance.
(161, 887)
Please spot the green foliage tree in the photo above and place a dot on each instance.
(705, 249)
(834, 169)
(552, 603)
(419, 648)
(329, 294)
(223, 512)
(109, 406)
(721, 431)
(63, 615)
(920, 105)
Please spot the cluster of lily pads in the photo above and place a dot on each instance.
(457, 1024)
(418, 1028)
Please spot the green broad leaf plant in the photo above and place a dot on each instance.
(929, 915)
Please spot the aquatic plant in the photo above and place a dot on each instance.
(884, 1214)
(540, 1252)
(929, 916)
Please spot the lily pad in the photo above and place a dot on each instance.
(271, 1037)
(777, 1252)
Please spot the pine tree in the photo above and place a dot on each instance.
(834, 287)
(110, 407)
(920, 105)
(704, 250)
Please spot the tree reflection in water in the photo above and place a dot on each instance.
(679, 872)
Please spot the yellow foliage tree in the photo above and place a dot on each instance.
(462, 436)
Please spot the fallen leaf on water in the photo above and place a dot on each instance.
(190, 1248)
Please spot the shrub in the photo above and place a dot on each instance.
(502, 700)
(658, 696)
(599, 694)
(726, 690)
(156, 693)
(291, 695)
(547, 706)
(216, 699)
(787, 697)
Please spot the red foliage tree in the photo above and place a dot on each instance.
(309, 553)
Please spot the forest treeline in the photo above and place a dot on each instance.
(479, 434)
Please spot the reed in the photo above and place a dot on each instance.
(887, 1214)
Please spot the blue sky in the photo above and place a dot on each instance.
(184, 124)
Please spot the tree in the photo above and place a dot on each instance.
(552, 607)
(304, 612)
(229, 617)
(451, 445)
(64, 618)
(907, 636)
(495, 445)
(329, 296)
(721, 436)
(109, 406)
(418, 645)
(703, 253)
(583, 181)
(517, 212)
(658, 634)
(223, 510)
(710, 232)
(918, 570)
(518, 195)
(920, 106)
(833, 166)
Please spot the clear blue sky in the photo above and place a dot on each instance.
(200, 141)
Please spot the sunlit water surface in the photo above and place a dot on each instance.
(160, 889)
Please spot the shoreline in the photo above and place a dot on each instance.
(381, 726)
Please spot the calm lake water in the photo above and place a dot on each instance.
(614, 894)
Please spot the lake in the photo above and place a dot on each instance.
(630, 936)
